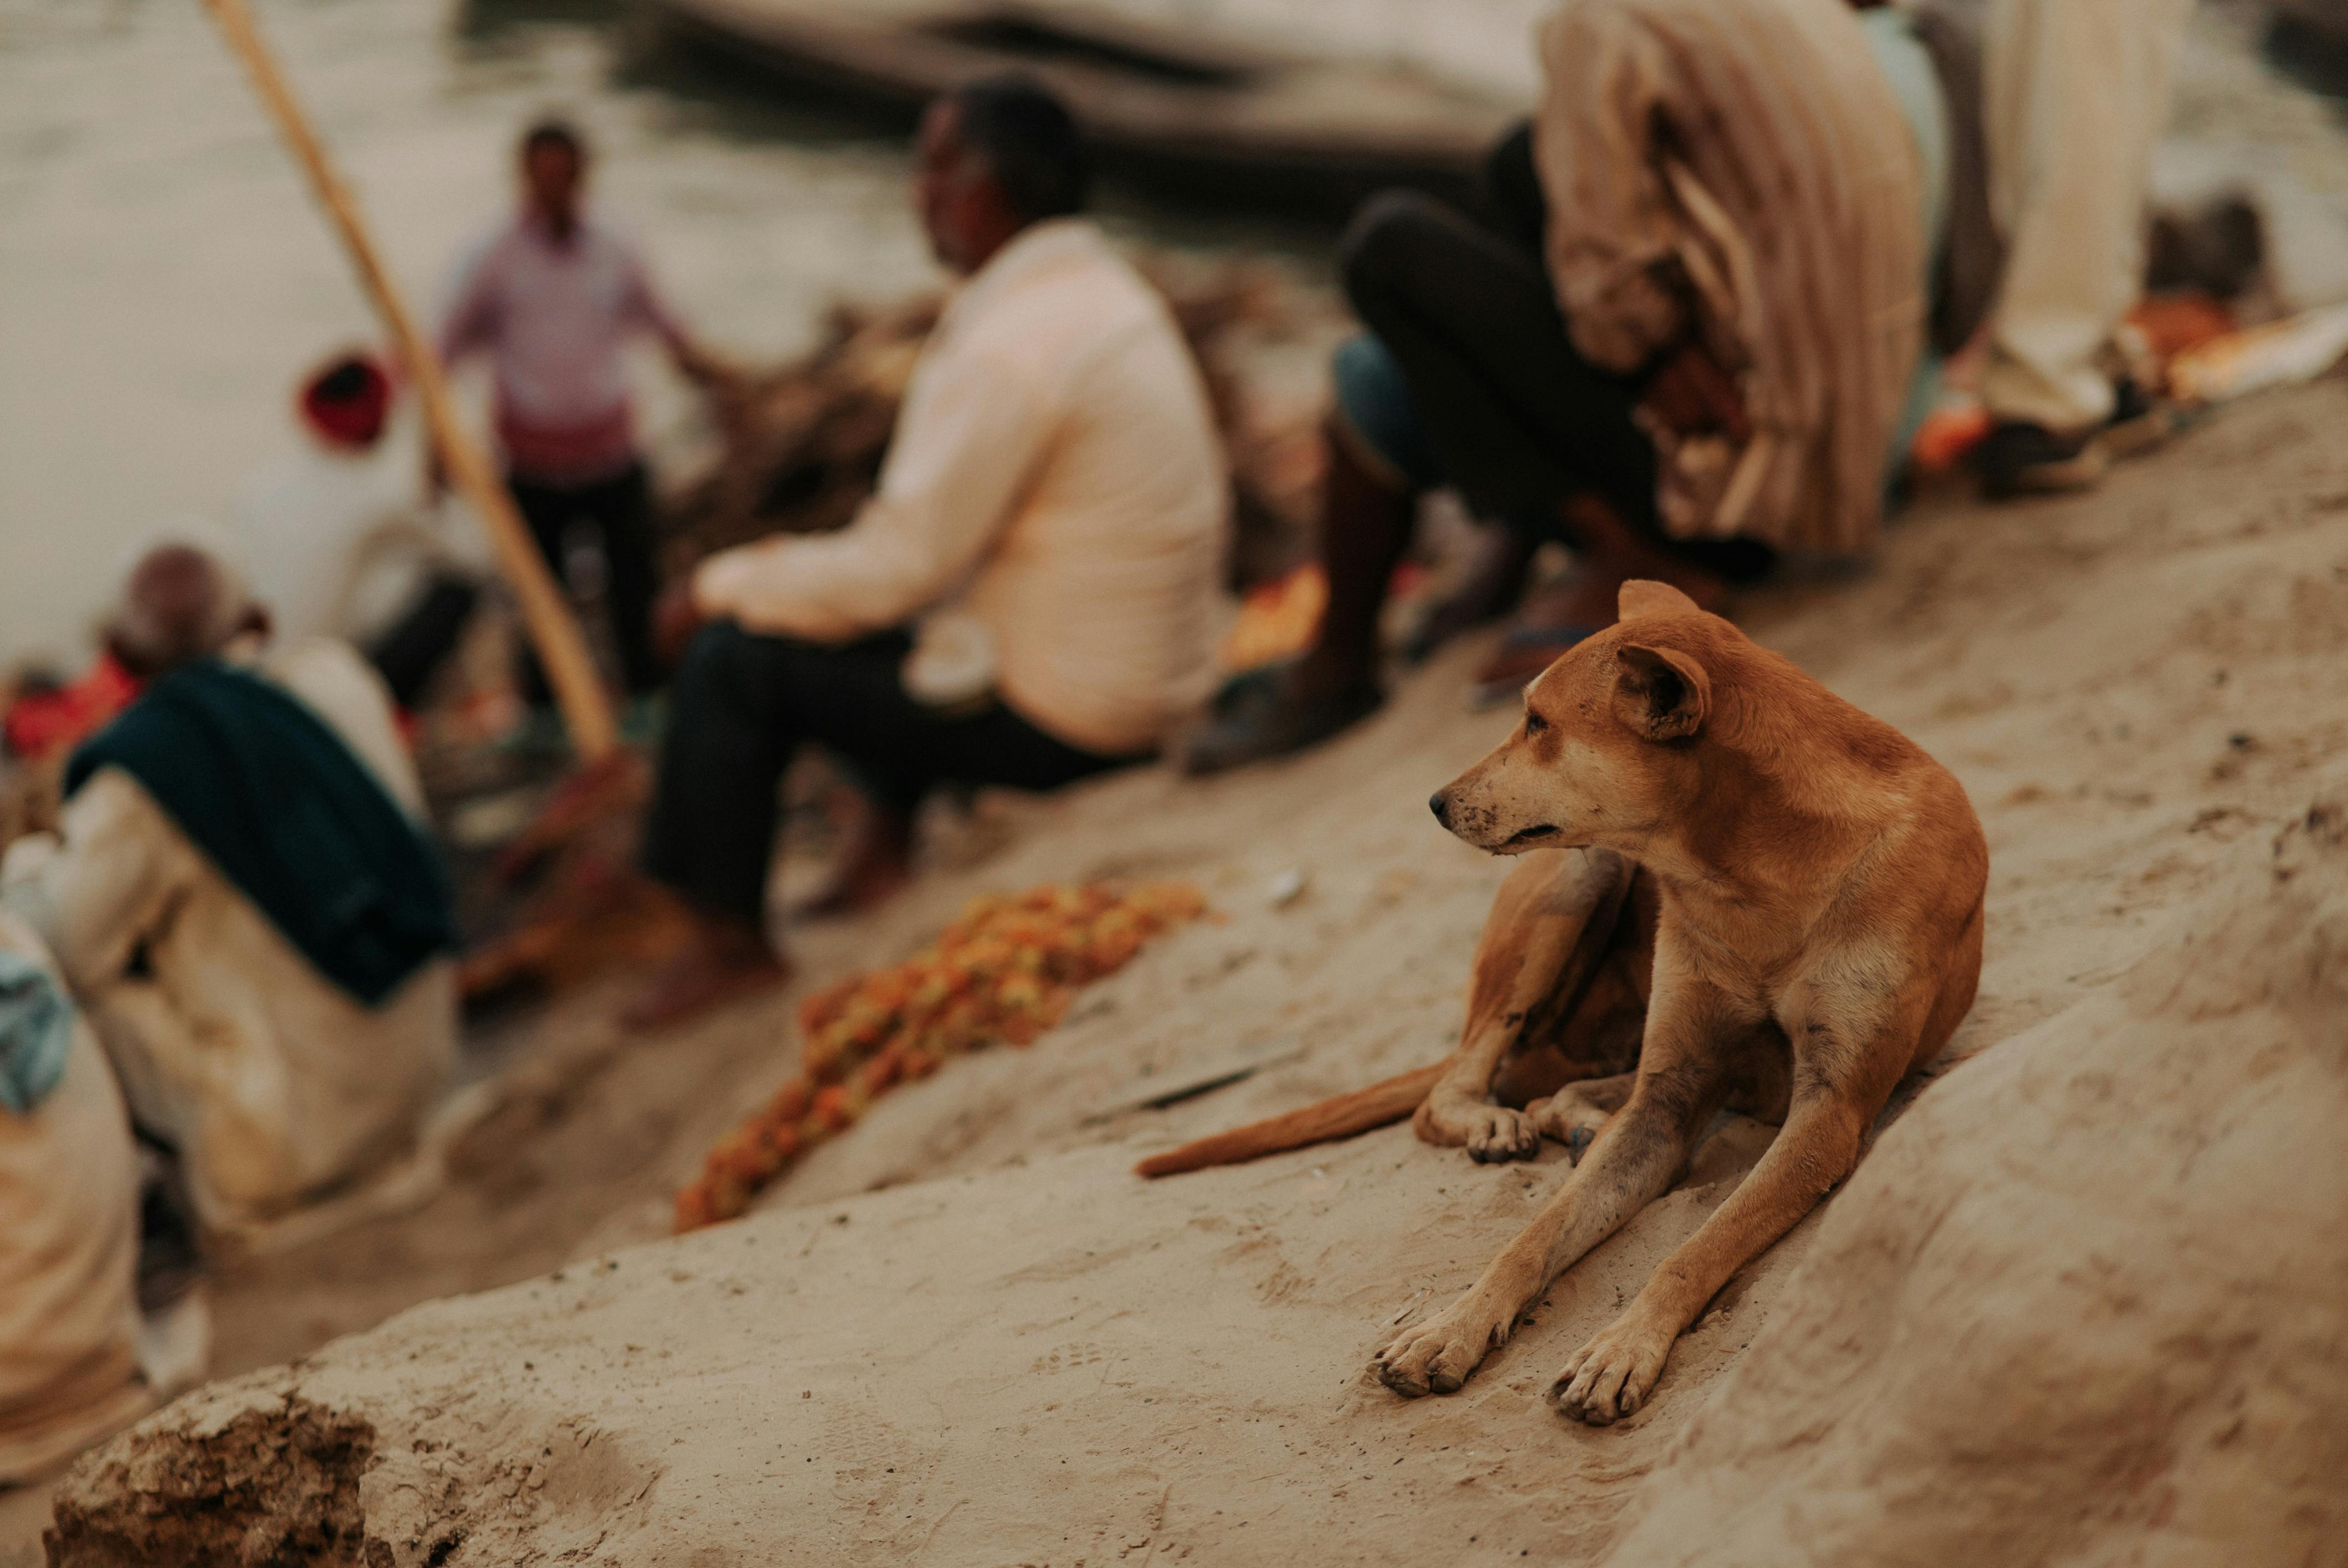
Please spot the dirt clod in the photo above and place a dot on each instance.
(267, 1490)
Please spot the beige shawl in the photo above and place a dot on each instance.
(1738, 170)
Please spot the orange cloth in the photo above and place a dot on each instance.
(44, 721)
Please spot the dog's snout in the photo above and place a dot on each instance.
(1440, 805)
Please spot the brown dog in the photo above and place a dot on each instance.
(1803, 925)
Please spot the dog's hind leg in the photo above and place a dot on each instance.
(1575, 1113)
(1551, 926)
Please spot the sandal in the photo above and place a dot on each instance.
(1524, 652)
(1255, 718)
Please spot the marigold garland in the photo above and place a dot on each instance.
(1004, 970)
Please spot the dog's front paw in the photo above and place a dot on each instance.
(1491, 1134)
(1435, 1356)
(1611, 1377)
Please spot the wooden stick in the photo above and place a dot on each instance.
(546, 615)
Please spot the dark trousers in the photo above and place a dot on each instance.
(412, 651)
(1516, 417)
(741, 707)
(620, 511)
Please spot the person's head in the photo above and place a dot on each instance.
(553, 169)
(346, 402)
(181, 603)
(995, 157)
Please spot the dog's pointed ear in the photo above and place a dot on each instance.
(1661, 692)
(1638, 599)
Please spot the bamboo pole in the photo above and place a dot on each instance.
(546, 615)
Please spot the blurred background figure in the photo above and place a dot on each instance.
(1688, 334)
(1029, 597)
(69, 1371)
(243, 901)
(2076, 93)
(334, 543)
(552, 297)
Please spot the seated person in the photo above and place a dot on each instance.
(69, 1373)
(1029, 597)
(336, 545)
(552, 296)
(244, 903)
(1690, 338)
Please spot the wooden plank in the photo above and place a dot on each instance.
(1195, 1075)
(546, 615)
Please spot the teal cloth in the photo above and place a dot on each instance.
(37, 1024)
(276, 801)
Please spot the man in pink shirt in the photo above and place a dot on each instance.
(551, 299)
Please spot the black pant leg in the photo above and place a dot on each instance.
(741, 707)
(1001, 746)
(409, 654)
(621, 510)
(1517, 418)
(1512, 191)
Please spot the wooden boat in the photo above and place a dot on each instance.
(2308, 41)
(1186, 107)
(2328, 18)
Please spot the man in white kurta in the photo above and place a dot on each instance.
(275, 1086)
(1030, 597)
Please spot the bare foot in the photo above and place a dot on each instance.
(1494, 584)
(859, 887)
(1551, 621)
(1612, 553)
(876, 866)
(720, 963)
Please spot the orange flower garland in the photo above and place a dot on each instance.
(1004, 970)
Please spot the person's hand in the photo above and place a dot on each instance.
(1691, 396)
(713, 374)
(676, 619)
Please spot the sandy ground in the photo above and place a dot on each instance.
(964, 1334)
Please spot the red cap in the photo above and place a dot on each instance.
(347, 400)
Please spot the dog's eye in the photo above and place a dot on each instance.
(1534, 722)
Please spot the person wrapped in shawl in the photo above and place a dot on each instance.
(1683, 335)
(245, 903)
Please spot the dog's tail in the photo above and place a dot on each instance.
(1343, 1117)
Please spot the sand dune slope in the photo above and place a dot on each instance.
(2085, 1301)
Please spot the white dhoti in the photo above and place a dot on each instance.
(68, 1256)
(2075, 93)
